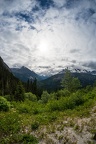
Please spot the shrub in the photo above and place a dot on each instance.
(45, 97)
(4, 104)
(20, 139)
(9, 124)
(65, 103)
(34, 125)
(9, 97)
(30, 139)
(23, 108)
(53, 105)
(62, 93)
(30, 96)
(53, 96)
(77, 98)
(52, 117)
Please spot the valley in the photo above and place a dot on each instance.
(65, 115)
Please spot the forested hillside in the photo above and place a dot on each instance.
(53, 83)
(7, 81)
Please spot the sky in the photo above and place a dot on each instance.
(48, 35)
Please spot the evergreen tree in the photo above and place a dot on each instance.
(28, 85)
(75, 84)
(69, 82)
(35, 87)
(19, 93)
(66, 81)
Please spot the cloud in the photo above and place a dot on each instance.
(74, 50)
(43, 33)
(45, 3)
(90, 64)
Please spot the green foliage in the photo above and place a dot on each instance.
(9, 97)
(29, 139)
(45, 97)
(35, 125)
(4, 104)
(19, 93)
(77, 99)
(70, 83)
(30, 96)
(28, 107)
(62, 93)
(66, 81)
(8, 82)
(9, 124)
(66, 103)
(28, 115)
(23, 108)
(75, 84)
(20, 139)
(53, 105)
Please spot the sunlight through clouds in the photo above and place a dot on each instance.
(37, 33)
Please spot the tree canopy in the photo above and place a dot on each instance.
(69, 82)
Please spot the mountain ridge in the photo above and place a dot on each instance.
(24, 74)
(54, 82)
(8, 82)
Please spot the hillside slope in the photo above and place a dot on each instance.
(24, 74)
(7, 81)
(54, 82)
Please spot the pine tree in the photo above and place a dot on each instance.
(66, 81)
(19, 93)
(35, 87)
(69, 82)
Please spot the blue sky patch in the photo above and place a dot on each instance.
(85, 14)
(45, 3)
(26, 16)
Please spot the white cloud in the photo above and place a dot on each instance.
(57, 38)
(59, 3)
(16, 5)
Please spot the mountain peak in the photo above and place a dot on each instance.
(4, 64)
(24, 74)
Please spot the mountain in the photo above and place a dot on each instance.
(7, 81)
(54, 82)
(24, 74)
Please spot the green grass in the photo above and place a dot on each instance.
(25, 117)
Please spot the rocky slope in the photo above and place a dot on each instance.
(70, 130)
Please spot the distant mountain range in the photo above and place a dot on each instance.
(24, 74)
(54, 82)
(9, 77)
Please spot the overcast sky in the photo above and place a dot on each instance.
(48, 34)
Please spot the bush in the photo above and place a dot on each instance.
(62, 93)
(23, 108)
(30, 96)
(9, 97)
(65, 103)
(9, 124)
(35, 125)
(45, 97)
(20, 139)
(53, 105)
(77, 99)
(4, 104)
(29, 139)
